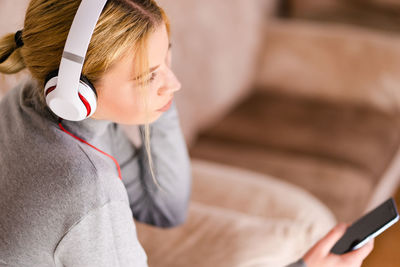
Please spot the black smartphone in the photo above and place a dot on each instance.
(367, 227)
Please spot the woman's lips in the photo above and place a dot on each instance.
(166, 107)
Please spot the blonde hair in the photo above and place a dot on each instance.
(123, 27)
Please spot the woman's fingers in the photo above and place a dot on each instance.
(359, 254)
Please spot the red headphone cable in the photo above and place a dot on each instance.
(83, 141)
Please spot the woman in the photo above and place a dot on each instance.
(62, 202)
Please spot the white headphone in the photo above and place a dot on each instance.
(69, 94)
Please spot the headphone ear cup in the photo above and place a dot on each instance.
(50, 82)
(86, 93)
(50, 86)
(88, 96)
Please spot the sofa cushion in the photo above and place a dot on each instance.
(331, 61)
(238, 218)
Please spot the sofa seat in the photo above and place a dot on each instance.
(238, 218)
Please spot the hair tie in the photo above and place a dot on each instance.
(18, 42)
(18, 39)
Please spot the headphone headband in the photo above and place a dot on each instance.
(67, 94)
(76, 46)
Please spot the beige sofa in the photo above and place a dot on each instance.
(324, 115)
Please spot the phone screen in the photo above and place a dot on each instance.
(368, 226)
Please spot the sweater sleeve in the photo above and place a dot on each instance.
(299, 263)
(166, 207)
(105, 237)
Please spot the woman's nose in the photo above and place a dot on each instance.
(172, 85)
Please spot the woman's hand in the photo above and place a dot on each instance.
(320, 256)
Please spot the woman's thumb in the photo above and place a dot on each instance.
(332, 237)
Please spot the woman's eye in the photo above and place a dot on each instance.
(153, 76)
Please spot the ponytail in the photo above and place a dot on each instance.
(11, 60)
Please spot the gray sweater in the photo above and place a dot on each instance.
(62, 202)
